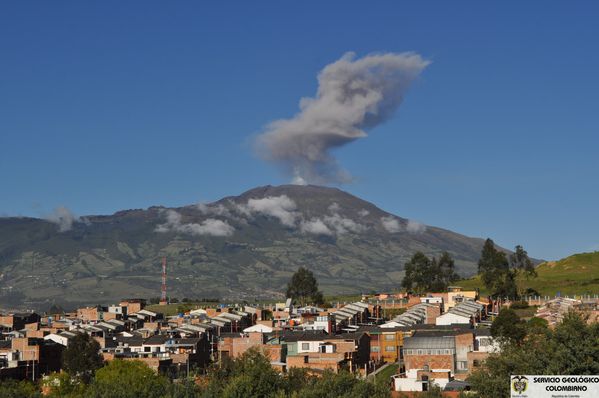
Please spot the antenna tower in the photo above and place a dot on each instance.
(163, 288)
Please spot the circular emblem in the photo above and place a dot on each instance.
(519, 384)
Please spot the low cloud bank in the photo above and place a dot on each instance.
(210, 227)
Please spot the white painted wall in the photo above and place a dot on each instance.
(313, 346)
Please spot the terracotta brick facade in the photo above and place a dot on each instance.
(432, 361)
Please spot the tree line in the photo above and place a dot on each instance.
(531, 347)
(499, 272)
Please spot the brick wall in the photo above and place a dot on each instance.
(433, 361)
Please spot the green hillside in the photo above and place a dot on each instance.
(577, 274)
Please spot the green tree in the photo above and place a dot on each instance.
(250, 375)
(418, 273)
(537, 326)
(82, 357)
(128, 379)
(186, 388)
(64, 385)
(494, 270)
(446, 266)
(500, 273)
(423, 274)
(303, 288)
(508, 327)
(519, 260)
(18, 389)
(343, 384)
(521, 264)
(572, 347)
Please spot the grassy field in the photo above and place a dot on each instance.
(386, 373)
(574, 275)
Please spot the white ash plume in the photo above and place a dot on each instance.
(354, 96)
(63, 217)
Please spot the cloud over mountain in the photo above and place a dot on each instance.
(210, 226)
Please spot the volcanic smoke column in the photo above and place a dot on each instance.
(354, 96)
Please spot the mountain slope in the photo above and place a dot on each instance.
(576, 274)
(240, 247)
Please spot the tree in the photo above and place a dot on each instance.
(128, 379)
(423, 274)
(18, 389)
(572, 348)
(252, 375)
(447, 268)
(491, 265)
(343, 384)
(64, 385)
(303, 287)
(500, 274)
(508, 327)
(417, 276)
(522, 264)
(537, 326)
(82, 357)
(519, 260)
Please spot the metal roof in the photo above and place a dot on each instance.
(429, 342)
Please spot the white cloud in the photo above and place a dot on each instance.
(391, 224)
(62, 217)
(414, 227)
(340, 224)
(315, 226)
(213, 209)
(279, 207)
(363, 213)
(334, 207)
(211, 226)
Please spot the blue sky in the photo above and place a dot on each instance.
(118, 105)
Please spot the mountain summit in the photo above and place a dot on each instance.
(240, 247)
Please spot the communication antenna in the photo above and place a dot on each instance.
(163, 300)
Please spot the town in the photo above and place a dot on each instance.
(417, 341)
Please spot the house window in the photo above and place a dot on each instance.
(375, 348)
(476, 363)
(483, 342)
(305, 346)
(389, 337)
(462, 365)
(390, 348)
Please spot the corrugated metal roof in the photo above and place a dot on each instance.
(429, 342)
